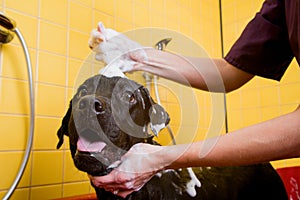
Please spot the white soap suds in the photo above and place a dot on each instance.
(190, 186)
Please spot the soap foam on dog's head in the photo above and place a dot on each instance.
(112, 70)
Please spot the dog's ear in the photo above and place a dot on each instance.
(159, 118)
(63, 130)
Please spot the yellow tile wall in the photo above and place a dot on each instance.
(57, 31)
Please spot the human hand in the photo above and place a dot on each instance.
(111, 46)
(134, 170)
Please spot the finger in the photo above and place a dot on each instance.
(120, 191)
(138, 66)
(114, 179)
(135, 184)
(138, 55)
(100, 181)
(125, 193)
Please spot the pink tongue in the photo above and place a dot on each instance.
(83, 145)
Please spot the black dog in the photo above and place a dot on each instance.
(109, 115)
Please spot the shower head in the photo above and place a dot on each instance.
(161, 45)
(6, 22)
(6, 36)
(7, 27)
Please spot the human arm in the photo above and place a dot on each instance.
(267, 141)
(271, 140)
(214, 75)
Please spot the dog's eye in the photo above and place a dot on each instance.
(99, 107)
(132, 98)
(82, 92)
(129, 97)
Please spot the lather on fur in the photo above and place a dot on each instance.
(109, 115)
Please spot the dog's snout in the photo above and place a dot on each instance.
(89, 102)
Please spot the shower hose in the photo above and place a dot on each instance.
(161, 45)
(6, 36)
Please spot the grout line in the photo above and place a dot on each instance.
(35, 71)
(66, 89)
(50, 184)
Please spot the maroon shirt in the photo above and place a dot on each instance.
(270, 41)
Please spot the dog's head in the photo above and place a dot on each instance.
(105, 118)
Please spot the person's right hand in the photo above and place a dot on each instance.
(112, 46)
(134, 170)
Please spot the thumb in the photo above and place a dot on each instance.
(139, 54)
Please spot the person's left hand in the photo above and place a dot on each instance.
(136, 168)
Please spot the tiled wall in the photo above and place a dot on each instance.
(57, 32)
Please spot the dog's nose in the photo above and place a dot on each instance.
(92, 103)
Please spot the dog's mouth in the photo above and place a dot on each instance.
(85, 145)
(96, 157)
(96, 163)
(89, 162)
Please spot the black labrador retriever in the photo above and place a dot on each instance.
(109, 115)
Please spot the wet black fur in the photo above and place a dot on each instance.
(251, 182)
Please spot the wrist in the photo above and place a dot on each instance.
(169, 157)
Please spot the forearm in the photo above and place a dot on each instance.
(215, 75)
(268, 141)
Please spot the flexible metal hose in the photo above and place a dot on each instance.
(31, 128)
(161, 45)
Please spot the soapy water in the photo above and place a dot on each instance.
(187, 98)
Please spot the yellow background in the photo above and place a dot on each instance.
(57, 32)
